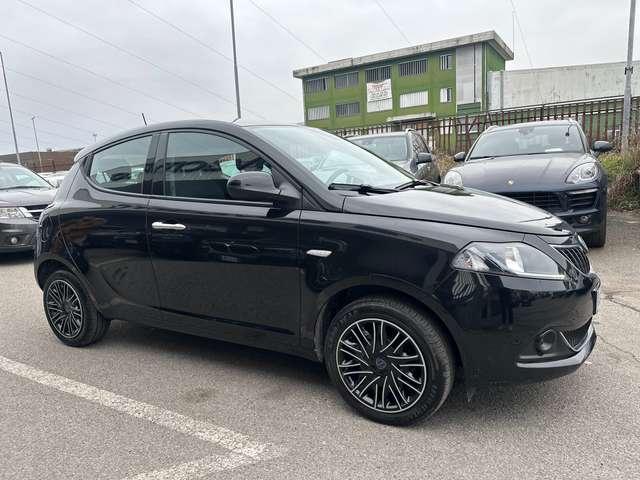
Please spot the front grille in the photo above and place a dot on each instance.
(546, 200)
(577, 256)
(576, 338)
(581, 199)
(36, 210)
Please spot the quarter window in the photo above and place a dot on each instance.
(121, 167)
(198, 165)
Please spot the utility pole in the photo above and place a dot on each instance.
(628, 71)
(235, 62)
(13, 127)
(35, 134)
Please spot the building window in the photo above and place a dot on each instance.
(318, 113)
(315, 85)
(377, 74)
(414, 99)
(446, 61)
(380, 105)
(446, 95)
(347, 109)
(414, 67)
(346, 80)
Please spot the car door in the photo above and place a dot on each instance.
(224, 268)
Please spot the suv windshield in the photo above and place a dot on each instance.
(20, 177)
(391, 148)
(330, 158)
(531, 140)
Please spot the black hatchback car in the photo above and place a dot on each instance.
(292, 239)
(547, 164)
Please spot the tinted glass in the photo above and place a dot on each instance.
(198, 165)
(20, 177)
(121, 167)
(393, 149)
(330, 158)
(528, 141)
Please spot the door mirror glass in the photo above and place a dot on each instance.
(424, 157)
(259, 187)
(459, 157)
(601, 146)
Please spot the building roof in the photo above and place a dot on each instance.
(490, 36)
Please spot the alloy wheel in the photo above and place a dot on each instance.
(64, 308)
(381, 365)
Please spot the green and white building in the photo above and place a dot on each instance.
(444, 78)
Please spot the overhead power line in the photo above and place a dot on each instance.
(395, 25)
(211, 49)
(293, 35)
(46, 132)
(41, 117)
(98, 75)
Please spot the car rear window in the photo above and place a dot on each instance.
(393, 149)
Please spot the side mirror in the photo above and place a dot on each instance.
(424, 157)
(459, 157)
(601, 146)
(259, 187)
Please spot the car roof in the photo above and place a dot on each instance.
(563, 122)
(177, 124)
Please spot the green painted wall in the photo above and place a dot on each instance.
(433, 80)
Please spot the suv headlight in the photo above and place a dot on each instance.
(14, 212)
(587, 172)
(453, 178)
(515, 258)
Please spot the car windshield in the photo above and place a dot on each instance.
(19, 177)
(391, 148)
(330, 158)
(530, 140)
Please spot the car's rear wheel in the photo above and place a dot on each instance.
(389, 360)
(71, 315)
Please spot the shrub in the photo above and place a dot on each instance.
(623, 171)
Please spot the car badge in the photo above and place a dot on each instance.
(510, 182)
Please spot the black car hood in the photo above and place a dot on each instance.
(453, 205)
(25, 197)
(521, 172)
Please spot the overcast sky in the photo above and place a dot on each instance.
(556, 33)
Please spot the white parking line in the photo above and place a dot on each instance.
(243, 450)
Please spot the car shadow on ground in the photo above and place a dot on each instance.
(490, 405)
(16, 258)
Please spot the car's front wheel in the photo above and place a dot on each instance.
(71, 315)
(389, 360)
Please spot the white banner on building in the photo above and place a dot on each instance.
(379, 90)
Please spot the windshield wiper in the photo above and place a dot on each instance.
(360, 188)
(415, 183)
(486, 156)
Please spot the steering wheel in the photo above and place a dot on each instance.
(336, 174)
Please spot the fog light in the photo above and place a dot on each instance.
(584, 219)
(14, 240)
(545, 341)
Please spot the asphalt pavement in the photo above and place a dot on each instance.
(150, 404)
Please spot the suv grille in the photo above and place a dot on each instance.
(545, 200)
(577, 256)
(575, 338)
(36, 210)
(581, 199)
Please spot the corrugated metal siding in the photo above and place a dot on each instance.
(414, 99)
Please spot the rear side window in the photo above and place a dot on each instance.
(121, 167)
(198, 165)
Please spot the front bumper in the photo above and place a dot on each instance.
(17, 235)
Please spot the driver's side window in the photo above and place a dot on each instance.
(198, 165)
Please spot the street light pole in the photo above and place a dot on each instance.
(13, 127)
(628, 71)
(235, 62)
(35, 134)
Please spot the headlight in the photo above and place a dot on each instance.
(515, 258)
(453, 178)
(587, 172)
(14, 212)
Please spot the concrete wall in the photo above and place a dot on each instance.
(517, 88)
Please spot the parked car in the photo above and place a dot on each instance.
(23, 196)
(406, 149)
(547, 164)
(254, 235)
(54, 178)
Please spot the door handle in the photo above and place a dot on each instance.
(167, 226)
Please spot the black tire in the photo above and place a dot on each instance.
(426, 342)
(598, 239)
(78, 323)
